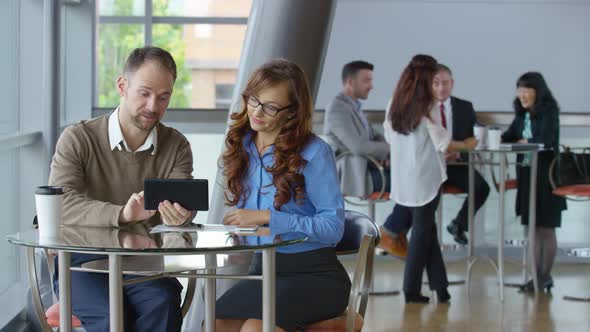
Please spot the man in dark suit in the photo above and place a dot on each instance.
(462, 119)
(458, 116)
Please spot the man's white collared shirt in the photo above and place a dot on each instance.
(117, 141)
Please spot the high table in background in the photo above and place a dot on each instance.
(532, 150)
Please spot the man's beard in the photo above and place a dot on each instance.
(362, 95)
(139, 125)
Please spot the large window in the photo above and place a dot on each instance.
(204, 36)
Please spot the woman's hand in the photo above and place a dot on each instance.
(244, 217)
(523, 141)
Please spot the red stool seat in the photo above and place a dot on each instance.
(574, 190)
(510, 184)
(337, 324)
(52, 316)
(448, 189)
(375, 196)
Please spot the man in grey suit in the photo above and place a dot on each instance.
(348, 130)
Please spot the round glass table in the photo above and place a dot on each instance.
(158, 252)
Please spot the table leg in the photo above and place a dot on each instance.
(35, 293)
(471, 207)
(268, 289)
(210, 284)
(533, 219)
(501, 215)
(115, 293)
(525, 259)
(470, 222)
(65, 294)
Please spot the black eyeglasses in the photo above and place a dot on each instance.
(267, 109)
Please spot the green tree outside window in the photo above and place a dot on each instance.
(116, 41)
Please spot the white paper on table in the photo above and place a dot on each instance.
(192, 228)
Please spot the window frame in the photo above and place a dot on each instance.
(148, 20)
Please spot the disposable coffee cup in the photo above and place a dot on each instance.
(494, 138)
(49, 203)
(480, 134)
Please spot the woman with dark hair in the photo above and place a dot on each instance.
(279, 174)
(418, 142)
(537, 121)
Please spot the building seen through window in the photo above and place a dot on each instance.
(205, 37)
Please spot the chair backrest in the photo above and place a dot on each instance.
(360, 236)
(356, 226)
(342, 155)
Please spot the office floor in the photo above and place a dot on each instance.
(481, 310)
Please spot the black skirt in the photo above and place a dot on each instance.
(549, 206)
(311, 286)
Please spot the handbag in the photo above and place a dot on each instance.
(570, 168)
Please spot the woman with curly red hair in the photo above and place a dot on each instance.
(281, 176)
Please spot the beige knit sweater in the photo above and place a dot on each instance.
(98, 182)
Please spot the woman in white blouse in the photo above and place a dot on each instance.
(418, 143)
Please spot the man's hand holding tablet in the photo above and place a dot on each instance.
(177, 200)
(174, 214)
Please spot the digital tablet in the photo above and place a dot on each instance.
(191, 194)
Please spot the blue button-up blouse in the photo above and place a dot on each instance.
(320, 217)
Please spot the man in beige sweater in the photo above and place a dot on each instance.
(101, 164)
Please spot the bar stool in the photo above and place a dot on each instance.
(582, 253)
(454, 191)
(372, 198)
(575, 189)
(370, 201)
(447, 190)
(577, 192)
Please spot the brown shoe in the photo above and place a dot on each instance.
(395, 246)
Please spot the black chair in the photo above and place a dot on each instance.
(361, 235)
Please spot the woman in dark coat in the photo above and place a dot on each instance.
(537, 121)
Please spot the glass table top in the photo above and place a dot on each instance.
(510, 148)
(136, 239)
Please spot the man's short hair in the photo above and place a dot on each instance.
(139, 56)
(442, 67)
(350, 69)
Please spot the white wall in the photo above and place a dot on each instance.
(488, 44)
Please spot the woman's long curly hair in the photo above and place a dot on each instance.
(293, 136)
(413, 97)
